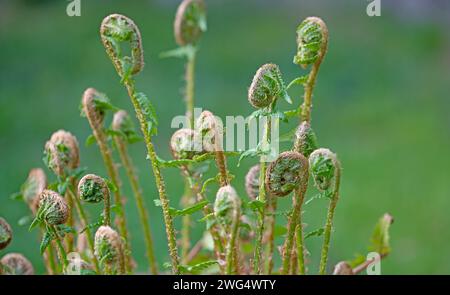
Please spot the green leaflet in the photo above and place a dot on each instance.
(46, 239)
(149, 112)
(298, 81)
(196, 268)
(379, 242)
(187, 51)
(186, 211)
(315, 233)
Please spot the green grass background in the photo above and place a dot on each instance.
(381, 103)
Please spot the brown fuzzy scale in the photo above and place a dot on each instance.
(187, 33)
(185, 144)
(16, 264)
(59, 210)
(98, 181)
(252, 182)
(5, 233)
(107, 27)
(260, 94)
(286, 173)
(34, 185)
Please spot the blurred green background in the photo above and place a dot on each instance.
(381, 103)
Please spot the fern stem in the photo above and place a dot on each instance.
(271, 243)
(300, 247)
(142, 210)
(231, 254)
(61, 251)
(329, 222)
(294, 219)
(160, 184)
(262, 198)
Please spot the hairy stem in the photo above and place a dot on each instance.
(69, 239)
(61, 251)
(111, 168)
(294, 219)
(271, 243)
(231, 254)
(142, 210)
(186, 222)
(190, 82)
(329, 222)
(49, 260)
(262, 198)
(160, 184)
(300, 247)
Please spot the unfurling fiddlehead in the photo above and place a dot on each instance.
(266, 86)
(16, 264)
(312, 43)
(252, 182)
(109, 250)
(123, 125)
(227, 210)
(326, 171)
(5, 234)
(190, 22)
(211, 132)
(112, 34)
(289, 172)
(115, 29)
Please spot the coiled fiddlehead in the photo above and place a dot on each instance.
(266, 86)
(323, 166)
(53, 209)
(16, 264)
(252, 182)
(305, 139)
(190, 22)
(109, 250)
(227, 209)
(285, 174)
(312, 41)
(62, 153)
(5, 233)
(326, 169)
(92, 189)
(115, 29)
